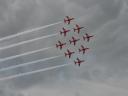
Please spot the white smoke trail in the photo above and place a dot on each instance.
(28, 41)
(29, 31)
(29, 63)
(23, 54)
(32, 72)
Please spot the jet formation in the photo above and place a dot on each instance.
(73, 41)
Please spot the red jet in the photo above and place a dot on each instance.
(87, 37)
(77, 28)
(78, 61)
(69, 53)
(83, 49)
(60, 45)
(68, 19)
(65, 31)
(74, 40)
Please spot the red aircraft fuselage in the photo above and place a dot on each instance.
(69, 53)
(87, 36)
(77, 29)
(78, 61)
(68, 19)
(73, 41)
(65, 31)
(83, 49)
(60, 45)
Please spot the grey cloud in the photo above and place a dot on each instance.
(6, 91)
(76, 88)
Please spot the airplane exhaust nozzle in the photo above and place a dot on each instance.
(74, 29)
(84, 38)
(56, 46)
(70, 41)
(65, 54)
(64, 21)
(75, 62)
(79, 50)
(60, 33)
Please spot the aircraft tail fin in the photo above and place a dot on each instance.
(75, 62)
(56, 46)
(79, 50)
(64, 20)
(65, 54)
(74, 29)
(60, 32)
(79, 65)
(70, 41)
(84, 37)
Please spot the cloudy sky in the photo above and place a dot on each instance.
(105, 71)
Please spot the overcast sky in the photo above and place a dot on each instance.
(104, 72)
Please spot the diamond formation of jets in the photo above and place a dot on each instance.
(73, 41)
